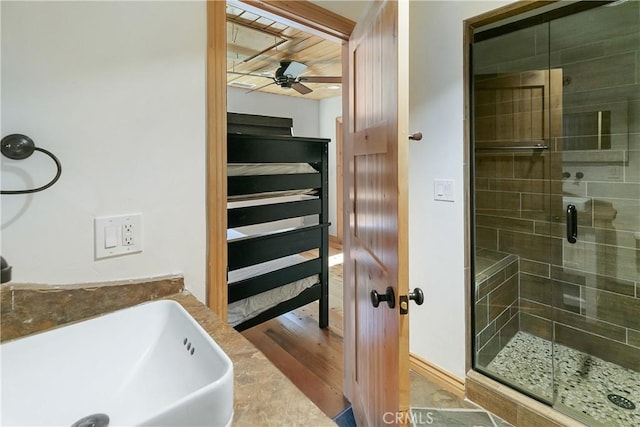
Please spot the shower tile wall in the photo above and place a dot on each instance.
(601, 73)
(496, 307)
(586, 295)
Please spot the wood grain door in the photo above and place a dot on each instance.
(375, 211)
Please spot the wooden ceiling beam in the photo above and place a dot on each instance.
(297, 14)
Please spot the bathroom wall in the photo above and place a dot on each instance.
(436, 228)
(117, 91)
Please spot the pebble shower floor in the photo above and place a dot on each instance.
(583, 381)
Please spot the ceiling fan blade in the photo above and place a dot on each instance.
(249, 75)
(320, 79)
(300, 88)
(261, 87)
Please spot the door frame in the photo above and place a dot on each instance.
(339, 179)
(302, 15)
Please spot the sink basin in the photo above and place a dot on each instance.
(148, 365)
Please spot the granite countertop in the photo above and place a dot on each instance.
(263, 396)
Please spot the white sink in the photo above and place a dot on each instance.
(148, 365)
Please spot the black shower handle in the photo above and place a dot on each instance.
(572, 224)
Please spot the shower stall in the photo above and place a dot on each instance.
(555, 149)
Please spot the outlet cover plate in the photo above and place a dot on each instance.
(127, 227)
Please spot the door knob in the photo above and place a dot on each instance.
(416, 136)
(388, 296)
(417, 295)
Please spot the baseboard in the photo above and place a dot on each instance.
(335, 240)
(437, 374)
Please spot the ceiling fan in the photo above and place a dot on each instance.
(288, 77)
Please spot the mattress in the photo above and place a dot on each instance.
(252, 169)
(245, 169)
(248, 308)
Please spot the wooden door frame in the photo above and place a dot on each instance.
(339, 179)
(303, 15)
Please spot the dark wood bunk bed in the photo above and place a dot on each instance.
(268, 263)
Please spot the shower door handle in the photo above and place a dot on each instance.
(572, 224)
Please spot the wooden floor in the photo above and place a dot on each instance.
(309, 356)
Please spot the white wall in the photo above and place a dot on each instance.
(304, 112)
(331, 108)
(436, 244)
(117, 91)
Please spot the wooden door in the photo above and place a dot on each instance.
(376, 340)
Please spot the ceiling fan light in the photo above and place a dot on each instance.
(292, 69)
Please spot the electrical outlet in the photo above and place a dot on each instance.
(118, 235)
(128, 232)
(127, 240)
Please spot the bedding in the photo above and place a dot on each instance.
(246, 169)
(252, 169)
(240, 311)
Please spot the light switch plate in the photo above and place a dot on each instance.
(443, 190)
(117, 235)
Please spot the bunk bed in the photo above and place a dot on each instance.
(274, 177)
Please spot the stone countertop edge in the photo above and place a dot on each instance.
(263, 396)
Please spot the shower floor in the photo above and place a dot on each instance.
(583, 381)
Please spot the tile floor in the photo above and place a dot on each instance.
(433, 405)
(583, 382)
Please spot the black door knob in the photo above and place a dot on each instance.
(417, 295)
(388, 296)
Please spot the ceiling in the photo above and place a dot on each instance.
(256, 45)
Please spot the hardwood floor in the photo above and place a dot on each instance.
(309, 356)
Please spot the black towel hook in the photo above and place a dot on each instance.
(18, 147)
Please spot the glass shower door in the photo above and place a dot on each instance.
(596, 274)
(512, 136)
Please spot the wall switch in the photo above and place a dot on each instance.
(110, 237)
(443, 189)
(117, 235)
